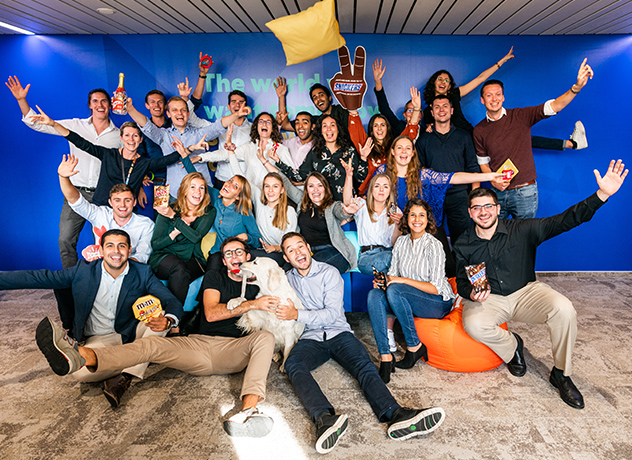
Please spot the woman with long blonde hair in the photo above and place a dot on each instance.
(177, 252)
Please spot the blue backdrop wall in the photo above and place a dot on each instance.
(62, 69)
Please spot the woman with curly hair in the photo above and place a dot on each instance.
(332, 145)
(265, 138)
(442, 83)
(410, 181)
(416, 286)
(177, 253)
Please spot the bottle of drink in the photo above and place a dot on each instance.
(119, 100)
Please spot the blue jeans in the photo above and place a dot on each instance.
(347, 351)
(330, 255)
(521, 203)
(380, 258)
(405, 302)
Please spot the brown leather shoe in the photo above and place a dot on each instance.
(115, 387)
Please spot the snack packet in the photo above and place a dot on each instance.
(478, 277)
(380, 279)
(161, 195)
(92, 252)
(146, 308)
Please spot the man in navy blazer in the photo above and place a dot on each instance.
(104, 292)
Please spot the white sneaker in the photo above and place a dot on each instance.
(392, 345)
(249, 423)
(579, 136)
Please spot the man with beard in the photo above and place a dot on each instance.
(507, 247)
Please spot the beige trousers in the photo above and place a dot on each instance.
(111, 340)
(198, 355)
(535, 303)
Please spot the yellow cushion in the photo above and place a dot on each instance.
(308, 34)
(208, 242)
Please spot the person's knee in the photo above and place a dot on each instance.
(375, 299)
(477, 329)
(564, 311)
(264, 340)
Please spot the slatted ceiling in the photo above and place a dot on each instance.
(422, 14)
(439, 17)
(366, 16)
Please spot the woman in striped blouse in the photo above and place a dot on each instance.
(416, 285)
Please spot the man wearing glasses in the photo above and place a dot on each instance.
(219, 348)
(507, 247)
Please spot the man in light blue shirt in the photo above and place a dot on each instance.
(328, 335)
(102, 218)
(178, 111)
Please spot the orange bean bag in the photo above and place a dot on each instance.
(449, 346)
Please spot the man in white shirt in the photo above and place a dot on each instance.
(102, 218)
(98, 129)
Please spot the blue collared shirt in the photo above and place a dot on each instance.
(322, 295)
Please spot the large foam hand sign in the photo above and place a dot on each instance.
(349, 85)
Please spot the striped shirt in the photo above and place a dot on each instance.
(421, 259)
(373, 233)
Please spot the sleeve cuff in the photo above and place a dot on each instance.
(483, 160)
(548, 111)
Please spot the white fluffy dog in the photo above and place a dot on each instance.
(271, 280)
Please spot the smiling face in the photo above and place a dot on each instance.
(442, 84)
(379, 130)
(315, 190)
(298, 253)
(179, 114)
(417, 221)
(156, 105)
(122, 204)
(264, 126)
(234, 255)
(321, 100)
(329, 130)
(403, 151)
(381, 190)
(131, 139)
(99, 106)
(441, 110)
(408, 112)
(231, 189)
(493, 98)
(485, 212)
(236, 103)
(195, 193)
(116, 251)
(272, 189)
(303, 127)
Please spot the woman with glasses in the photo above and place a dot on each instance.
(265, 138)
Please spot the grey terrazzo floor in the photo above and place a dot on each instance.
(490, 415)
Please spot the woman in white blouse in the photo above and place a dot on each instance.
(416, 287)
(275, 218)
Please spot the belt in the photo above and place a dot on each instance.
(516, 187)
(86, 189)
(370, 247)
(159, 181)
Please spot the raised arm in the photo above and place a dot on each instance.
(471, 86)
(19, 93)
(280, 85)
(198, 92)
(611, 182)
(415, 97)
(585, 72)
(139, 118)
(380, 94)
(471, 178)
(233, 117)
(43, 119)
(65, 171)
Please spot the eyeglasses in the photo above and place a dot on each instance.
(443, 80)
(486, 207)
(265, 122)
(229, 254)
(409, 110)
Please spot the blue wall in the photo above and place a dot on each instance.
(62, 69)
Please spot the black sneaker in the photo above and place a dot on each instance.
(407, 423)
(329, 429)
(59, 349)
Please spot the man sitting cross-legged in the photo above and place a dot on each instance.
(219, 348)
(328, 335)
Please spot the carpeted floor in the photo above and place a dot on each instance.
(490, 415)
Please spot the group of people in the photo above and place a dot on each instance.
(288, 199)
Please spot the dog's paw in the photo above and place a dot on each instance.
(234, 303)
(276, 357)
